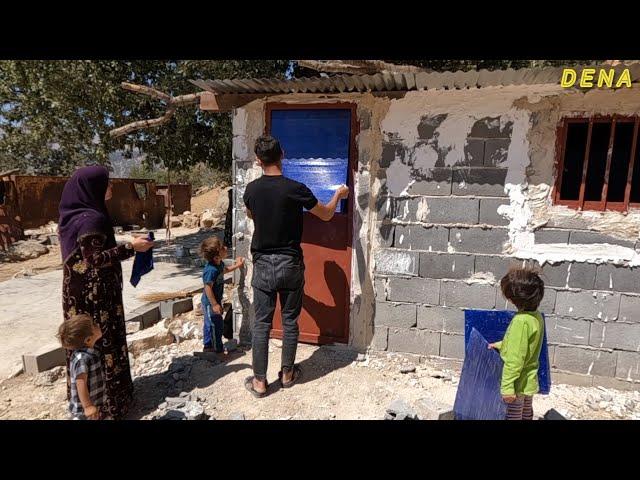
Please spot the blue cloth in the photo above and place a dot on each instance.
(213, 275)
(492, 325)
(316, 148)
(478, 396)
(142, 263)
(213, 326)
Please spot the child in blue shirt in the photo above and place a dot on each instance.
(212, 250)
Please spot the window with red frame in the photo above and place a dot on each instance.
(598, 164)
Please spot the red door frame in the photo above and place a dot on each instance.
(353, 162)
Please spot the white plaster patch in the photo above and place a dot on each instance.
(597, 253)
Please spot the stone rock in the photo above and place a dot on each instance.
(431, 409)
(186, 213)
(190, 221)
(197, 305)
(400, 410)
(208, 219)
(231, 345)
(132, 327)
(408, 369)
(49, 377)
(175, 222)
(237, 416)
(26, 249)
(147, 339)
(553, 414)
(361, 357)
(194, 411)
(174, 415)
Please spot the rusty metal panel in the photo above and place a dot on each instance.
(10, 225)
(38, 199)
(180, 197)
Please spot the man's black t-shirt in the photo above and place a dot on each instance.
(276, 204)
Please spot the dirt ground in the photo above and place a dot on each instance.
(45, 263)
(337, 385)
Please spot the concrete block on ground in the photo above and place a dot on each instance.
(629, 309)
(482, 181)
(420, 342)
(441, 319)
(589, 305)
(461, 294)
(396, 262)
(415, 290)
(628, 367)
(567, 330)
(431, 409)
(618, 278)
(495, 151)
(401, 315)
(452, 346)
(568, 378)
(147, 315)
(621, 336)
(585, 361)
(43, 359)
(418, 237)
(478, 240)
(380, 336)
(437, 181)
(489, 211)
(446, 265)
(551, 235)
(582, 236)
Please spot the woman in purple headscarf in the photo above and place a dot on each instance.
(92, 276)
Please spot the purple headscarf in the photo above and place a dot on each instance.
(83, 209)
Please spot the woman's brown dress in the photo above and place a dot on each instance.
(92, 284)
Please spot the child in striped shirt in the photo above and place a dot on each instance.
(87, 394)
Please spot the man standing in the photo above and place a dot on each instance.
(276, 204)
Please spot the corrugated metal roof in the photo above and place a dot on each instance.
(388, 82)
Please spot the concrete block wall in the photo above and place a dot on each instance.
(441, 250)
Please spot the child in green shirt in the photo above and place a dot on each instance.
(522, 342)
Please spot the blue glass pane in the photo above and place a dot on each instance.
(316, 148)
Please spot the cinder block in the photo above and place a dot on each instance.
(386, 232)
(420, 342)
(437, 181)
(417, 237)
(546, 306)
(618, 278)
(415, 290)
(401, 315)
(585, 361)
(489, 211)
(629, 309)
(628, 366)
(496, 151)
(478, 240)
(43, 359)
(460, 294)
(390, 152)
(446, 265)
(585, 236)
(588, 305)
(396, 262)
(132, 327)
(473, 153)
(380, 335)
(430, 409)
(487, 181)
(451, 210)
(620, 336)
(567, 330)
(568, 378)
(171, 308)
(385, 208)
(490, 127)
(147, 315)
(569, 274)
(441, 319)
(452, 346)
(615, 383)
(551, 235)
(498, 265)
(380, 283)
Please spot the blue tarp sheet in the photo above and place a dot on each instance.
(492, 325)
(478, 396)
(316, 148)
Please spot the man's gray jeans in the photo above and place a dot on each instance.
(283, 275)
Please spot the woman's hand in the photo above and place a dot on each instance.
(141, 244)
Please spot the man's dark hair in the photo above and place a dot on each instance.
(268, 149)
(524, 288)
